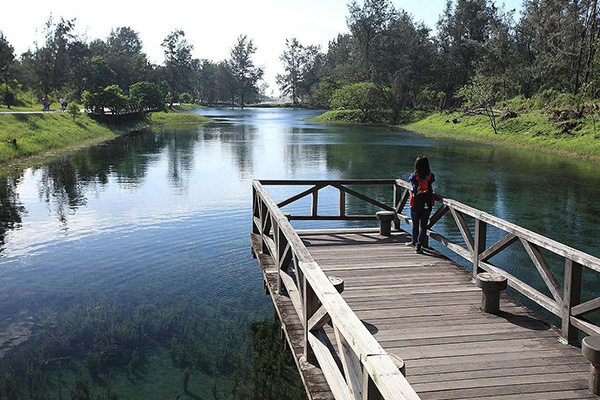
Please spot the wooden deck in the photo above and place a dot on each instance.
(425, 310)
(420, 311)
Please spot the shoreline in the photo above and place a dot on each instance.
(86, 132)
(516, 133)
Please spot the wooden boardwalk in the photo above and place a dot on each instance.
(425, 310)
(420, 312)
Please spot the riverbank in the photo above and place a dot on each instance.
(529, 130)
(23, 136)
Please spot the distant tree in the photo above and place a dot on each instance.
(98, 74)
(482, 93)
(52, 61)
(146, 96)
(226, 82)
(364, 96)
(73, 110)
(463, 29)
(298, 63)
(207, 80)
(178, 62)
(7, 57)
(124, 56)
(114, 99)
(367, 23)
(242, 67)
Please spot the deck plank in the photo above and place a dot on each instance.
(425, 309)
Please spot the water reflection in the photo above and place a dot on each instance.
(160, 218)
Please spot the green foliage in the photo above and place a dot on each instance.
(110, 97)
(146, 96)
(185, 97)
(364, 96)
(73, 110)
(244, 74)
(482, 93)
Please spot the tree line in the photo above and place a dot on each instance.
(479, 54)
(115, 73)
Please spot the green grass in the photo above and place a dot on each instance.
(520, 132)
(159, 118)
(45, 134)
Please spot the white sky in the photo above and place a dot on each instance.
(211, 26)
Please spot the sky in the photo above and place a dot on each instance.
(211, 26)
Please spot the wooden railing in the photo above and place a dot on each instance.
(366, 368)
(565, 300)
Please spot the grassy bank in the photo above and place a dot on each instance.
(529, 130)
(26, 135)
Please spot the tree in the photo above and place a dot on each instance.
(482, 93)
(124, 56)
(146, 96)
(52, 62)
(364, 96)
(178, 62)
(242, 67)
(298, 63)
(367, 24)
(7, 56)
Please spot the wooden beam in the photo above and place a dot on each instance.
(571, 299)
(437, 215)
(542, 266)
(314, 208)
(523, 288)
(351, 366)
(363, 197)
(585, 326)
(332, 373)
(319, 319)
(292, 292)
(586, 307)
(333, 218)
(300, 195)
(479, 244)
(464, 229)
(497, 247)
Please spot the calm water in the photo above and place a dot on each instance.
(161, 217)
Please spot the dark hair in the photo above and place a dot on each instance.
(422, 167)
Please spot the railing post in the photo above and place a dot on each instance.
(342, 203)
(571, 298)
(478, 245)
(370, 390)
(311, 305)
(255, 212)
(397, 200)
(315, 203)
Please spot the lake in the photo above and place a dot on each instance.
(126, 263)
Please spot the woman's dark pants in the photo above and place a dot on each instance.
(419, 220)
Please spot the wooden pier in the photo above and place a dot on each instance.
(419, 314)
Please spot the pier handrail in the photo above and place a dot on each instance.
(367, 370)
(317, 302)
(565, 302)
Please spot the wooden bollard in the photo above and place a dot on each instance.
(338, 283)
(590, 348)
(491, 285)
(399, 363)
(385, 222)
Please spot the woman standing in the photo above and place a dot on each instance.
(421, 201)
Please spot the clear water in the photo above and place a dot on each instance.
(165, 213)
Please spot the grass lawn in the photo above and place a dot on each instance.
(25, 135)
